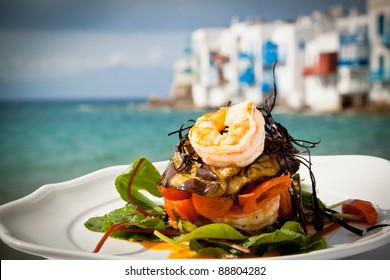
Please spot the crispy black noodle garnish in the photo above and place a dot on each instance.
(277, 141)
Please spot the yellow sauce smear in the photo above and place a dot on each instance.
(176, 252)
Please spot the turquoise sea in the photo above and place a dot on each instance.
(48, 142)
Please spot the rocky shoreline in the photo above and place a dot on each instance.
(370, 107)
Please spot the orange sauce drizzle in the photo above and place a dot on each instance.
(176, 252)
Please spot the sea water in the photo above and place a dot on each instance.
(49, 142)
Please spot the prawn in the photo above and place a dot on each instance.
(231, 136)
(254, 221)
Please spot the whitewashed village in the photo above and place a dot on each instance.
(325, 62)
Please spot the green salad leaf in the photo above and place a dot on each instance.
(217, 240)
(210, 250)
(290, 239)
(95, 224)
(215, 252)
(213, 231)
(185, 226)
(132, 217)
(141, 175)
(128, 215)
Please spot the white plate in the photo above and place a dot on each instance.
(49, 222)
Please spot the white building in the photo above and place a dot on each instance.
(236, 63)
(287, 70)
(221, 57)
(320, 74)
(325, 61)
(379, 34)
(336, 73)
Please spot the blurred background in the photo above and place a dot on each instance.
(90, 84)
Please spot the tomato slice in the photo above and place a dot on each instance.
(362, 208)
(174, 194)
(184, 208)
(211, 207)
(268, 189)
(285, 206)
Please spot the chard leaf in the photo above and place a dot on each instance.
(290, 232)
(213, 231)
(195, 245)
(316, 242)
(215, 252)
(134, 236)
(95, 224)
(141, 175)
(290, 239)
(185, 226)
(140, 221)
(129, 215)
(130, 209)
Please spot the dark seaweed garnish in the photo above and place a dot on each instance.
(279, 141)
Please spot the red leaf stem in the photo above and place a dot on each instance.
(122, 227)
(143, 211)
(106, 235)
(132, 178)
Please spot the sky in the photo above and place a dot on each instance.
(104, 49)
